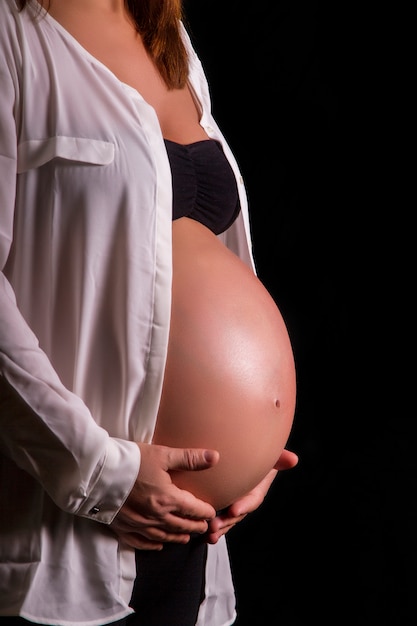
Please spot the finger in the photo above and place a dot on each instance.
(150, 533)
(151, 539)
(158, 529)
(213, 537)
(286, 461)
(222, 522)
(139, 543)
(155, 535)
(175, 526)
(192, 508)
(191, 459)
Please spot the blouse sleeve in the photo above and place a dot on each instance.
(44, 428)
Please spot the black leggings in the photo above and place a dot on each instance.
(169, 585)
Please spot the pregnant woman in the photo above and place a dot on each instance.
(147, 386)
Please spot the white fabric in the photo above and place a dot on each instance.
(85, 254)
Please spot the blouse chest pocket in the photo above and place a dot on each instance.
(36, 152)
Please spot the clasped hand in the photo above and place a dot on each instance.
(157, 511)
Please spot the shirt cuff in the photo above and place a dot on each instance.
(114, 483)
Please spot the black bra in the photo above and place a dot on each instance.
(203, 184)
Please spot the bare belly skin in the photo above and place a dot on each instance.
(230, 380)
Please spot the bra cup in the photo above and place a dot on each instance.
(203, 183)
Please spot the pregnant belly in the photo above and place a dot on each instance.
(230, 378)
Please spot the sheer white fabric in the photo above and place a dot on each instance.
(85, 254)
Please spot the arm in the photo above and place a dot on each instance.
(46, 429)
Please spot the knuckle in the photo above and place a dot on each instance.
(191, 459)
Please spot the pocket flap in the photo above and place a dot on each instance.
(37, 152)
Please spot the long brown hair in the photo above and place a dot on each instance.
(158, 22)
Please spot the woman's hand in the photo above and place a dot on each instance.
(156, 511)
(226, 519)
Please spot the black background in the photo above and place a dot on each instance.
(292, 85)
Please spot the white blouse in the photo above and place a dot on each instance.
(85, 260)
